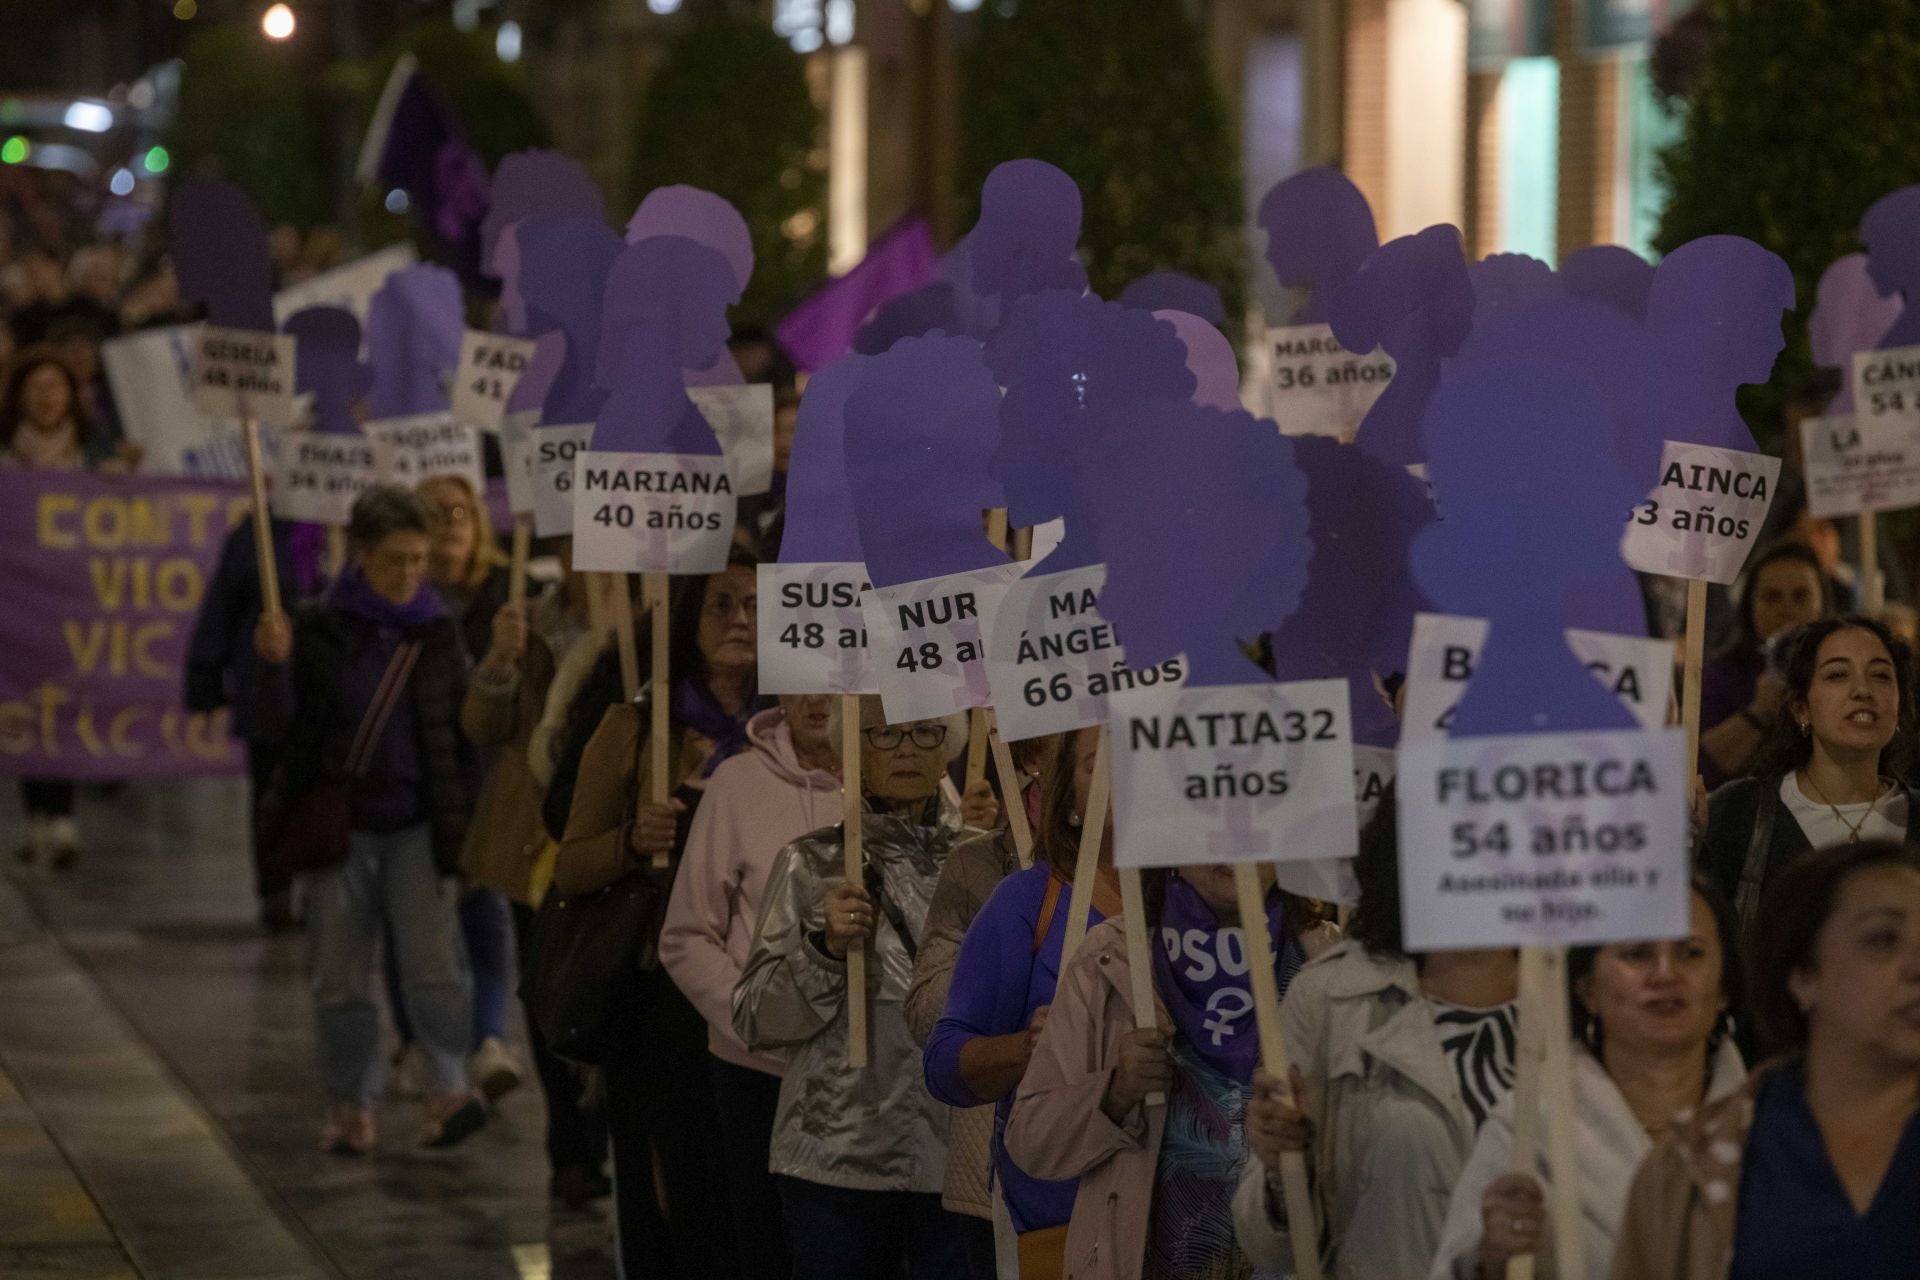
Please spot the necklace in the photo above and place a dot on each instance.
(1853, 828)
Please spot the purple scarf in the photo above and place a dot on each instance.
(697, 709)
(353, 595)
(1200, 971)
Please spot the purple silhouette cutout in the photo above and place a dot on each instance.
(1175, 291)
(1319, 232)
(700, 216)
(1849, 316)
(1609, 273)
(1505, 280)
(1202, 519)
(549, 353)
(564, 263)
(414, 324)
(330, 367)
(820, 528)
(1064, 359)
(919, 437)
(1414, 300)
(1355, 618)
(220, 255)
(530, 184)
(931, 308)
(1891, 231)
(1522, 465)
(665, 311)
(1028, 230)
(1714, 317)
(1210, 360)
(1614, 352)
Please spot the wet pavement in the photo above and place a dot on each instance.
(158, 1106)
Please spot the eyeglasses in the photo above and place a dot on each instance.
(448, 513)
(926, 736)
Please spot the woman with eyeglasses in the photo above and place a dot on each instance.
(661, 1110)
(860, 1153)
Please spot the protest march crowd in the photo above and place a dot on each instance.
(875, 913)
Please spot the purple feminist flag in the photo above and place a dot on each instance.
(415, 144)
(1414, 300)
(330, 368)
(822, 327)
(414, 324)
(1319, 232)
(220, 255)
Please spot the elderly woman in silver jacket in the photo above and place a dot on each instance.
(860, 1154)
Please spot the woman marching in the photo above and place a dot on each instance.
(1156, 1182)
(1652, 1039)
(1812, 1170)
(1834, 767)
(371, 800)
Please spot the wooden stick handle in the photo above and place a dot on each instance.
(1526, 1089)
(997, 527)
(1696, 654)
(262, 520)
(616, 610)
(978, 731)
(1023, 542)
(1011, 793)
(851, 846)
(1873, 592)
(336, 552)
(1562, 1137)
(1302, 1226)
(1133, 918)
(660, 706)
(517, 569)
(1086, 867)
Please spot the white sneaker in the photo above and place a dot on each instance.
(409, 1072)
(494, 1070)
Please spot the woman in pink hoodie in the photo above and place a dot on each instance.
(786, 785)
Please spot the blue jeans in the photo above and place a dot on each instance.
(837, 1233)
(388, 884)
(486, 934)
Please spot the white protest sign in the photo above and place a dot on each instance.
(516, 459)
(1543, 839)
(1856, 464)
(350, 286)
(1445, 648)
(426, 446)
(491, 365)
(242, 373)
(813, 634)
(550, 471)
(928, 641)
(1332, 879)
(1886, 383)
(319, 474)
(652, 512)
(1318, 387)
(1233, 773)
(1052, 660)
(1703, 519)
(742, 420)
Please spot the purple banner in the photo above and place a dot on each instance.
(104, 578)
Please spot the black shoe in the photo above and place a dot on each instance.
(459, 1126)
(276, 914)
(578, 1186)
(64, 856)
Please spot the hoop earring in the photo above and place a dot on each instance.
(1073, 819)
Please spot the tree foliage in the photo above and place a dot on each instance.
(1119, 96)
(1803, 114)
(245, 114)
(728, 110)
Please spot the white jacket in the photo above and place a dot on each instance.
(1611, 1145)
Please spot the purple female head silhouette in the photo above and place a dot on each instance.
(1609, 273)
(1210, 359)
(1521, 462)
(1505, 280)
(564, 263)
(1849, 316)
(531, 184)
(1414, 300)
(920, 435)
(700, 216)
(1714, 316)
(1202, 519)
(1064, 358)
(1175, 291)
(928, 309)
(414, 324)
(665, 311)
(820, 527)
(1355, 618)
(329, 367)
(220, 255)
(1028, 230)
(1891, 231)
(1319, 231)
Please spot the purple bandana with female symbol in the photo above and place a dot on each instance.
(1200, 971)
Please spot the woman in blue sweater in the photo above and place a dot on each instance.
(1002, 985)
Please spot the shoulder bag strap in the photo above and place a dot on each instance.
(877, 889)
(1753, 872)
(1048, 905)
(392, 687)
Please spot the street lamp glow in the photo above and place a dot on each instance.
(121, 183)
(157, 160)
(506, 41)
(89, 117)
(277, 23)
(14, 150)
